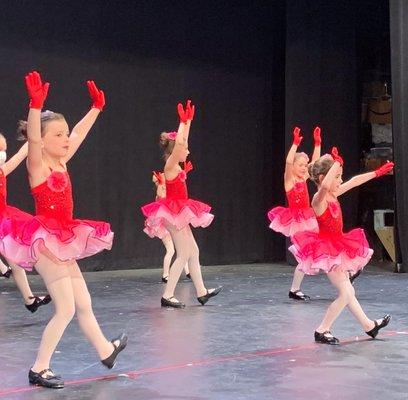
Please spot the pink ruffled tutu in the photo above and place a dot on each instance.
(176, 210)
(289, 221)
(298, 217)
(53, 231)
(331, 249)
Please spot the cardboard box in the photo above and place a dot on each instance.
(386, 235)
(380, 111)
(374, 89)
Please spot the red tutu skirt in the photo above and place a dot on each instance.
(331, 252)
(60, 240)
(290, 221)
(176, 212)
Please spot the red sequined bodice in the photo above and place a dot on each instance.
(53, 197)
(331, 221)
(176, 188)
(3, 190)
(298, 196)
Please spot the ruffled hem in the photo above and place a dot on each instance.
(178, 213)
(290, 221)
(74, 240)
(345, 252)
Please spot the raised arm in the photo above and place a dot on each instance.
(363, 178)
(81, 129)
(37, 92)
(317, 144)
(16, 160)
(181, 141)
(290, 158)
(319, 199)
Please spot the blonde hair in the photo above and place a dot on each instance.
(301, 154)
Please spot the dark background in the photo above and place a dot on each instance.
(253, 69)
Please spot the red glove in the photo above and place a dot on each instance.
(296, 136)
(97, 96)
(336, 156)
(159, 177)
(316, 136)
(37, 91)
(188, 166)
(190, 110)
(187, 114)
(384, 169)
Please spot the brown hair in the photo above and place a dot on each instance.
(320, 167)
(166, 144)
(46, 116)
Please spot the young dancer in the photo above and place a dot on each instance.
(56, 240)
(7, 214)
(160, 181)
(332, 251)
(298, 216)
(177, 212)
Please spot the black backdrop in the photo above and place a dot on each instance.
(148, 55)
(251, 68)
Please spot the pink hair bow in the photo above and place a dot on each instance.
(172, 135)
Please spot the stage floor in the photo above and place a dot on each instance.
(249, 342)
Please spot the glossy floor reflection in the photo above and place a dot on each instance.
(250, 342)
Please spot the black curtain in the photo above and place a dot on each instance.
(321, 83)
(399, 64)
(147, 55)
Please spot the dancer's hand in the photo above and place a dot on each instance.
(296, 136)
(336, 156)
(37, 91)
(317, 136)
(188, 166)
(384, 169)
(97, 95)
(185, 114)
(159, 178)
(190, 110)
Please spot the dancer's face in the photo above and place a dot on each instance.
(337, 181)
(56, 138)
(300, 167)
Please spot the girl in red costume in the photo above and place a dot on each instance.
(54, 239)
(160, 181)
(8, 216)
(331, 250)
(175, 213)
(298, 216)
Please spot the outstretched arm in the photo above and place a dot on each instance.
(317, 144)
(37, 92)
(290, 158)
(81, 129)
(363, 178)
(181, 142)
(16, 160)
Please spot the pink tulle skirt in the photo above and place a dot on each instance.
(178, 213)
(323, 252)
(24, 237)
(290, 221)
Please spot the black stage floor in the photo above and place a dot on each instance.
(250, 342)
